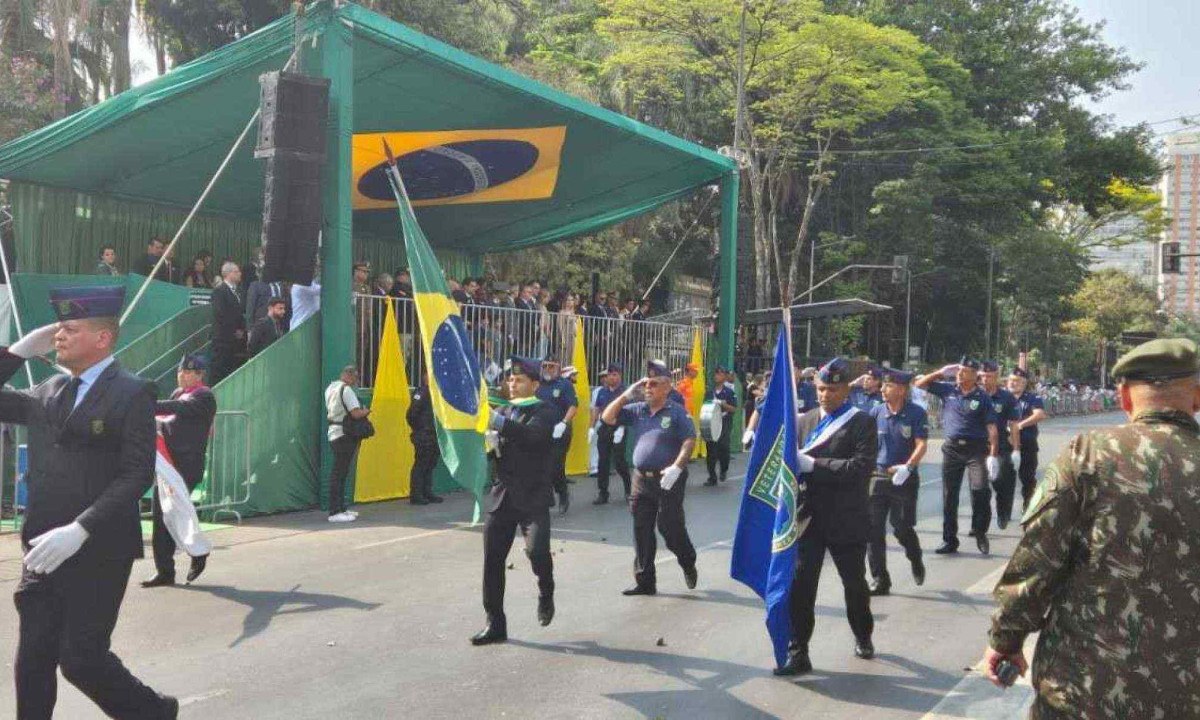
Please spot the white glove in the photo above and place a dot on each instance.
(559, 430)
(36, 342)
(900, 474)
(491, 441)
(619, 434)
(591, 436)
(993, 467)
(495, 420)
(1016, 459)
(806, 462)
(54, 547)
(747, 438)
(631, 391)
(670, 476)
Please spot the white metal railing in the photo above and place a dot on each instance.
(499, 332)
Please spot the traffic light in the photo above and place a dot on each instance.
(900, 268)
(1170, 257)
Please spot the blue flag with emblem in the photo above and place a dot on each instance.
(764, 546)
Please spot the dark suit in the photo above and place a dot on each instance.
(266, 331)
(257, 297)
(186, 435)
(425, 444)
(839, 502)
(88, 465)
(228, 319)
(520, 497)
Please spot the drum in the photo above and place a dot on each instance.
(711, 421)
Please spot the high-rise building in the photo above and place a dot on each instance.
(1180, 293)
(1137, 257)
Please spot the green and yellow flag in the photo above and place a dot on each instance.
(579, 453)
(456, 385)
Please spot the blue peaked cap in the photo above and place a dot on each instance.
(79, 303)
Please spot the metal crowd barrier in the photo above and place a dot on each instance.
(228, 479)
(1057, 405)
(498, 332)
(10, 520)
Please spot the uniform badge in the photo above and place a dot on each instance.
(974, 404)
(998, 407)
(906, 431)
(97, 427)
(666, 423)
(557, 392)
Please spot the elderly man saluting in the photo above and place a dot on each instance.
(91, 457)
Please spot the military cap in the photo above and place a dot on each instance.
(969, 362)
(1158, 361)
(899, 377)
(193, 362)
(1020, 372)
(78, 303)
(657, 368)
(551, 361)
(989, 366)
(528, 367)
(834, 372)
(875, 372)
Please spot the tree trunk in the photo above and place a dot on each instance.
(64, 74)
(121, 75)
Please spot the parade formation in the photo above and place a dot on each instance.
(296, 396)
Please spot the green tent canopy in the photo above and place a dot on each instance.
(161, 141)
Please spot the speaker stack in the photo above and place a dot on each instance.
(291, 138)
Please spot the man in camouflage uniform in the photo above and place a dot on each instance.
(1109, 567)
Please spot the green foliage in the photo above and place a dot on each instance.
(1111, 302)
(26, 96)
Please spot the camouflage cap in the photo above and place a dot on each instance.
(1158, 361)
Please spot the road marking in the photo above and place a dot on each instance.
(418, 536)
(193, 699)
(986, 583)
(975, 696)
(710, 546)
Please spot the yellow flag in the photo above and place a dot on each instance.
(697, 399)
(385, 461)
(578, 453)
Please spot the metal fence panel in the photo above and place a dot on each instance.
(228, 481)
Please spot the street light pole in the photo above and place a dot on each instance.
(812, 261)
(907, 317)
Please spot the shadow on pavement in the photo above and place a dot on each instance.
(918, 690)
(708, 680)
(265, 605)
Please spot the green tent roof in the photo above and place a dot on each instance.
(160, 142)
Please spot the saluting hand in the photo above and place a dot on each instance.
(36, 343)
(631, 391)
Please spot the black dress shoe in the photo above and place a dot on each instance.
(159, 580)
(602, 500)
(198, 565)
(710, 481)
(797, 664)
(545, 611)
(490, 634)
(1002, 523)
(879, 587)
(918, 571)
(723, 477)
(414, 500)
(690, 576)
(639, 590)
(435, 499)
(564, 502)
(171, 712)
(864, 649)
(947, 549)
(981, 541)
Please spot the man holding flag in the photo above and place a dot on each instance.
(797, 505)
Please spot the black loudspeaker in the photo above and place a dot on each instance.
(294, 109)
(291, 136)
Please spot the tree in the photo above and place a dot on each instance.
(1108, 303)
(27, 99)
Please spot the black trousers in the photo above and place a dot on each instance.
(653, 507)
(344, 450)
(959, 458)
(718, 451)
(420, 483)
(899, 504)
(558, 450)
(66, 623)
(499, 530)
(161, 540)
(850, 561)
(1028, 472)
(225, 359)
(610, 454)
(1005, 486)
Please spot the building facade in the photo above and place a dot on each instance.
(1180, 293)
(1138, 258)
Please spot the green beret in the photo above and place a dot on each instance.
(1158, 361)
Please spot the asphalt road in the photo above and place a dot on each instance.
(296, 618)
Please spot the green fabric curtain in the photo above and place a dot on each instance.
(156, 354)
(280, 389)
(62, 231)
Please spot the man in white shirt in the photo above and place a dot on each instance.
(340, 402)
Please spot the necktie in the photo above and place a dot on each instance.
(66, 401)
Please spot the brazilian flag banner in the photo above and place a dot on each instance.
(456, 385)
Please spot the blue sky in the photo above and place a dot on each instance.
(1165, 36)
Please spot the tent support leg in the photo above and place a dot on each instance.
(727, 309)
